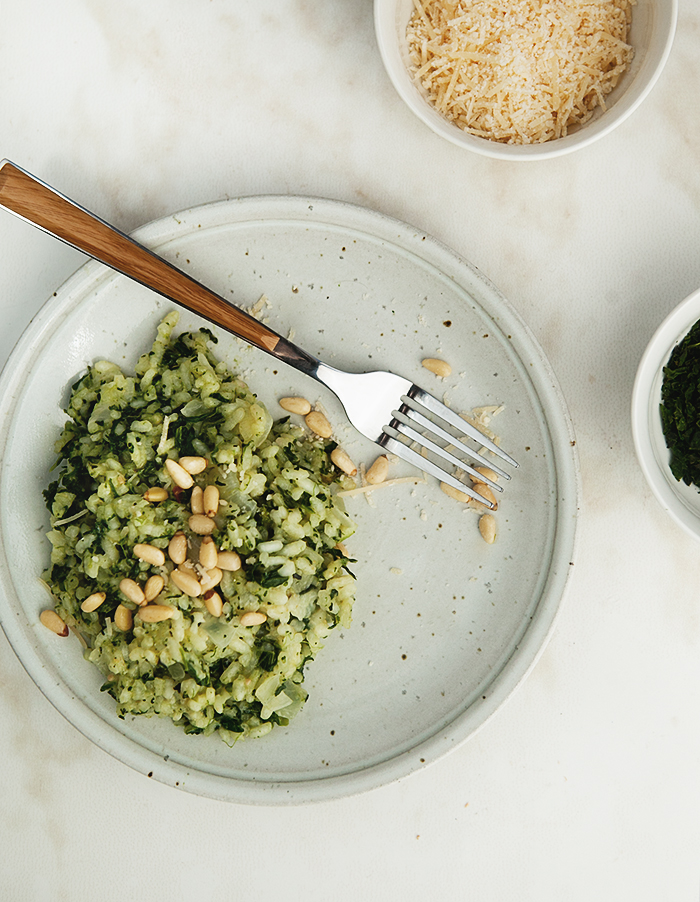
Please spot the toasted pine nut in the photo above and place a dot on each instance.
(186, 582)
(378, 471)
(211, 578)
(487, 528)
(201, 525)
(342, 461)
(193, 465)
(295, 405)
(208, 553)
(132, 590)
(253, 618)
(178, 474)
(482, 489)
(156, 613)
(487, 473)
(197, 500)
(154, 586)
(53, 622)
(211, 500)
(177, 548)
(454, 493)
(318, 423)
(123, 618)
(155, 493)
(92, 602)
(150, 554)
(440, 367)
(228, 560)
(213, 602)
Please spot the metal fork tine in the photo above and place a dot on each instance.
(394, 446)
(437, 407)
(410, 413)
(415, 436)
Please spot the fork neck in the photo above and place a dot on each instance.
(291, 354)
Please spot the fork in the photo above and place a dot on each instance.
(391, 411)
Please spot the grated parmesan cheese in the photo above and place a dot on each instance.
(258, 307)
(521, 72)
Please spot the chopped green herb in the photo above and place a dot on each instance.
(680, 408)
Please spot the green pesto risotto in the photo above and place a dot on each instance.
(196, 544)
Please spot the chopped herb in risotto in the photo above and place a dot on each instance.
(196, 544)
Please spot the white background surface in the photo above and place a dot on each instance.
(586, 784)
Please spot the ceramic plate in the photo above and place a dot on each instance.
(445, 626)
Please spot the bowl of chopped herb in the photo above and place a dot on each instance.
(666, 414)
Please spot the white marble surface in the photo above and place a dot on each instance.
(586, 784)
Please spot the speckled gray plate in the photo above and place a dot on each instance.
(445, 626)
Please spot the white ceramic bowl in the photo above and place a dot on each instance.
(681, 501)
(651, 35)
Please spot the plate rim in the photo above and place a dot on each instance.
(156, 234)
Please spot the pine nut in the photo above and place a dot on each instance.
(153, 588)
(295, 405)
(186, 582)
(213, 602)
(156, 613)
(211, 500)
(201, 525)
(379, 470)
(123, 618)
(155, 493)
(197, 500)
(92, 602)
(482, 489)
(253, 618)
(440, 367)
(150, 554)
(487, 528)
(53, 622)
(319, 424)
(132, 590)
(342, 461)
(487, 473)
(229, 560)
(178, 474)
(211, 578)
(193, 465)
(454, 493)
(177, 548)
(208, 553)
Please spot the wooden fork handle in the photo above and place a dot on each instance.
(42, 206)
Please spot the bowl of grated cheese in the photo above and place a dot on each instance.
(536, 80)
